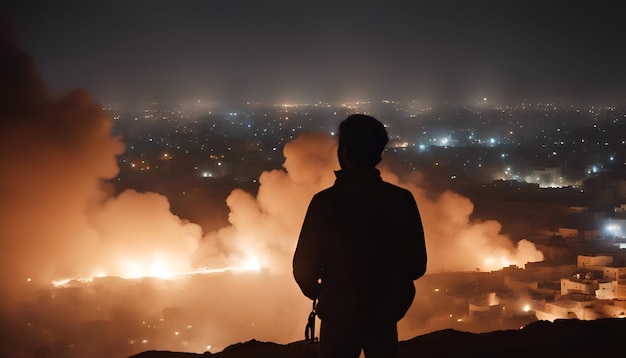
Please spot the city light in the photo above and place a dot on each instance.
(614, 228)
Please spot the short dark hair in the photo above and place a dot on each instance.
(364, 138)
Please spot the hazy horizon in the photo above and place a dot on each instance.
(287, 52)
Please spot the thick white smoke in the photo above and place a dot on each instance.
(267, 226)
(138, 236)
(58, 219)
(456, 243)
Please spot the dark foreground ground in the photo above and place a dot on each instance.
(563, 338)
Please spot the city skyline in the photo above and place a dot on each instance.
(282, 51)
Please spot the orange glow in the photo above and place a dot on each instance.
(492, 264)
(252, 264)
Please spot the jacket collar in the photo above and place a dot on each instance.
(360, 175)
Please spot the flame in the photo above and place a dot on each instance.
(162, 268)
(494, 264)
(65, 281)
(252, 264)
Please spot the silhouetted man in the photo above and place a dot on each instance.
(360, 249)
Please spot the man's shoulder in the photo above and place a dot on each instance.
(381, 187)
(395, 189)
(325, 193)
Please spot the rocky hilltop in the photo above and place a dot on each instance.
(571, 338)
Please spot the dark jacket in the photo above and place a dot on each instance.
(363, 240)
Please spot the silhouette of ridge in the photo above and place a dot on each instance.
(566, 337)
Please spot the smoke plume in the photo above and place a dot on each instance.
(267, 226)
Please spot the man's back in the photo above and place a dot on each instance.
(366, 238)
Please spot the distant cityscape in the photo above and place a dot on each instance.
(542, 143)
(552, 165)
(553, 175)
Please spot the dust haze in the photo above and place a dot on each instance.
(60, 220)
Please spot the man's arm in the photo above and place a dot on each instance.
(416, 250)
(307, 258)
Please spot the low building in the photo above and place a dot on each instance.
(594, 262)
(614, 273)
(485, 307)
(582, 307)
(585, 286)
(549, 270)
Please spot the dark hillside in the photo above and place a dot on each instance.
(572, 338)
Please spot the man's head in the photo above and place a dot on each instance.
(362, 140)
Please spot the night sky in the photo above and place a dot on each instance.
(308, 51)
